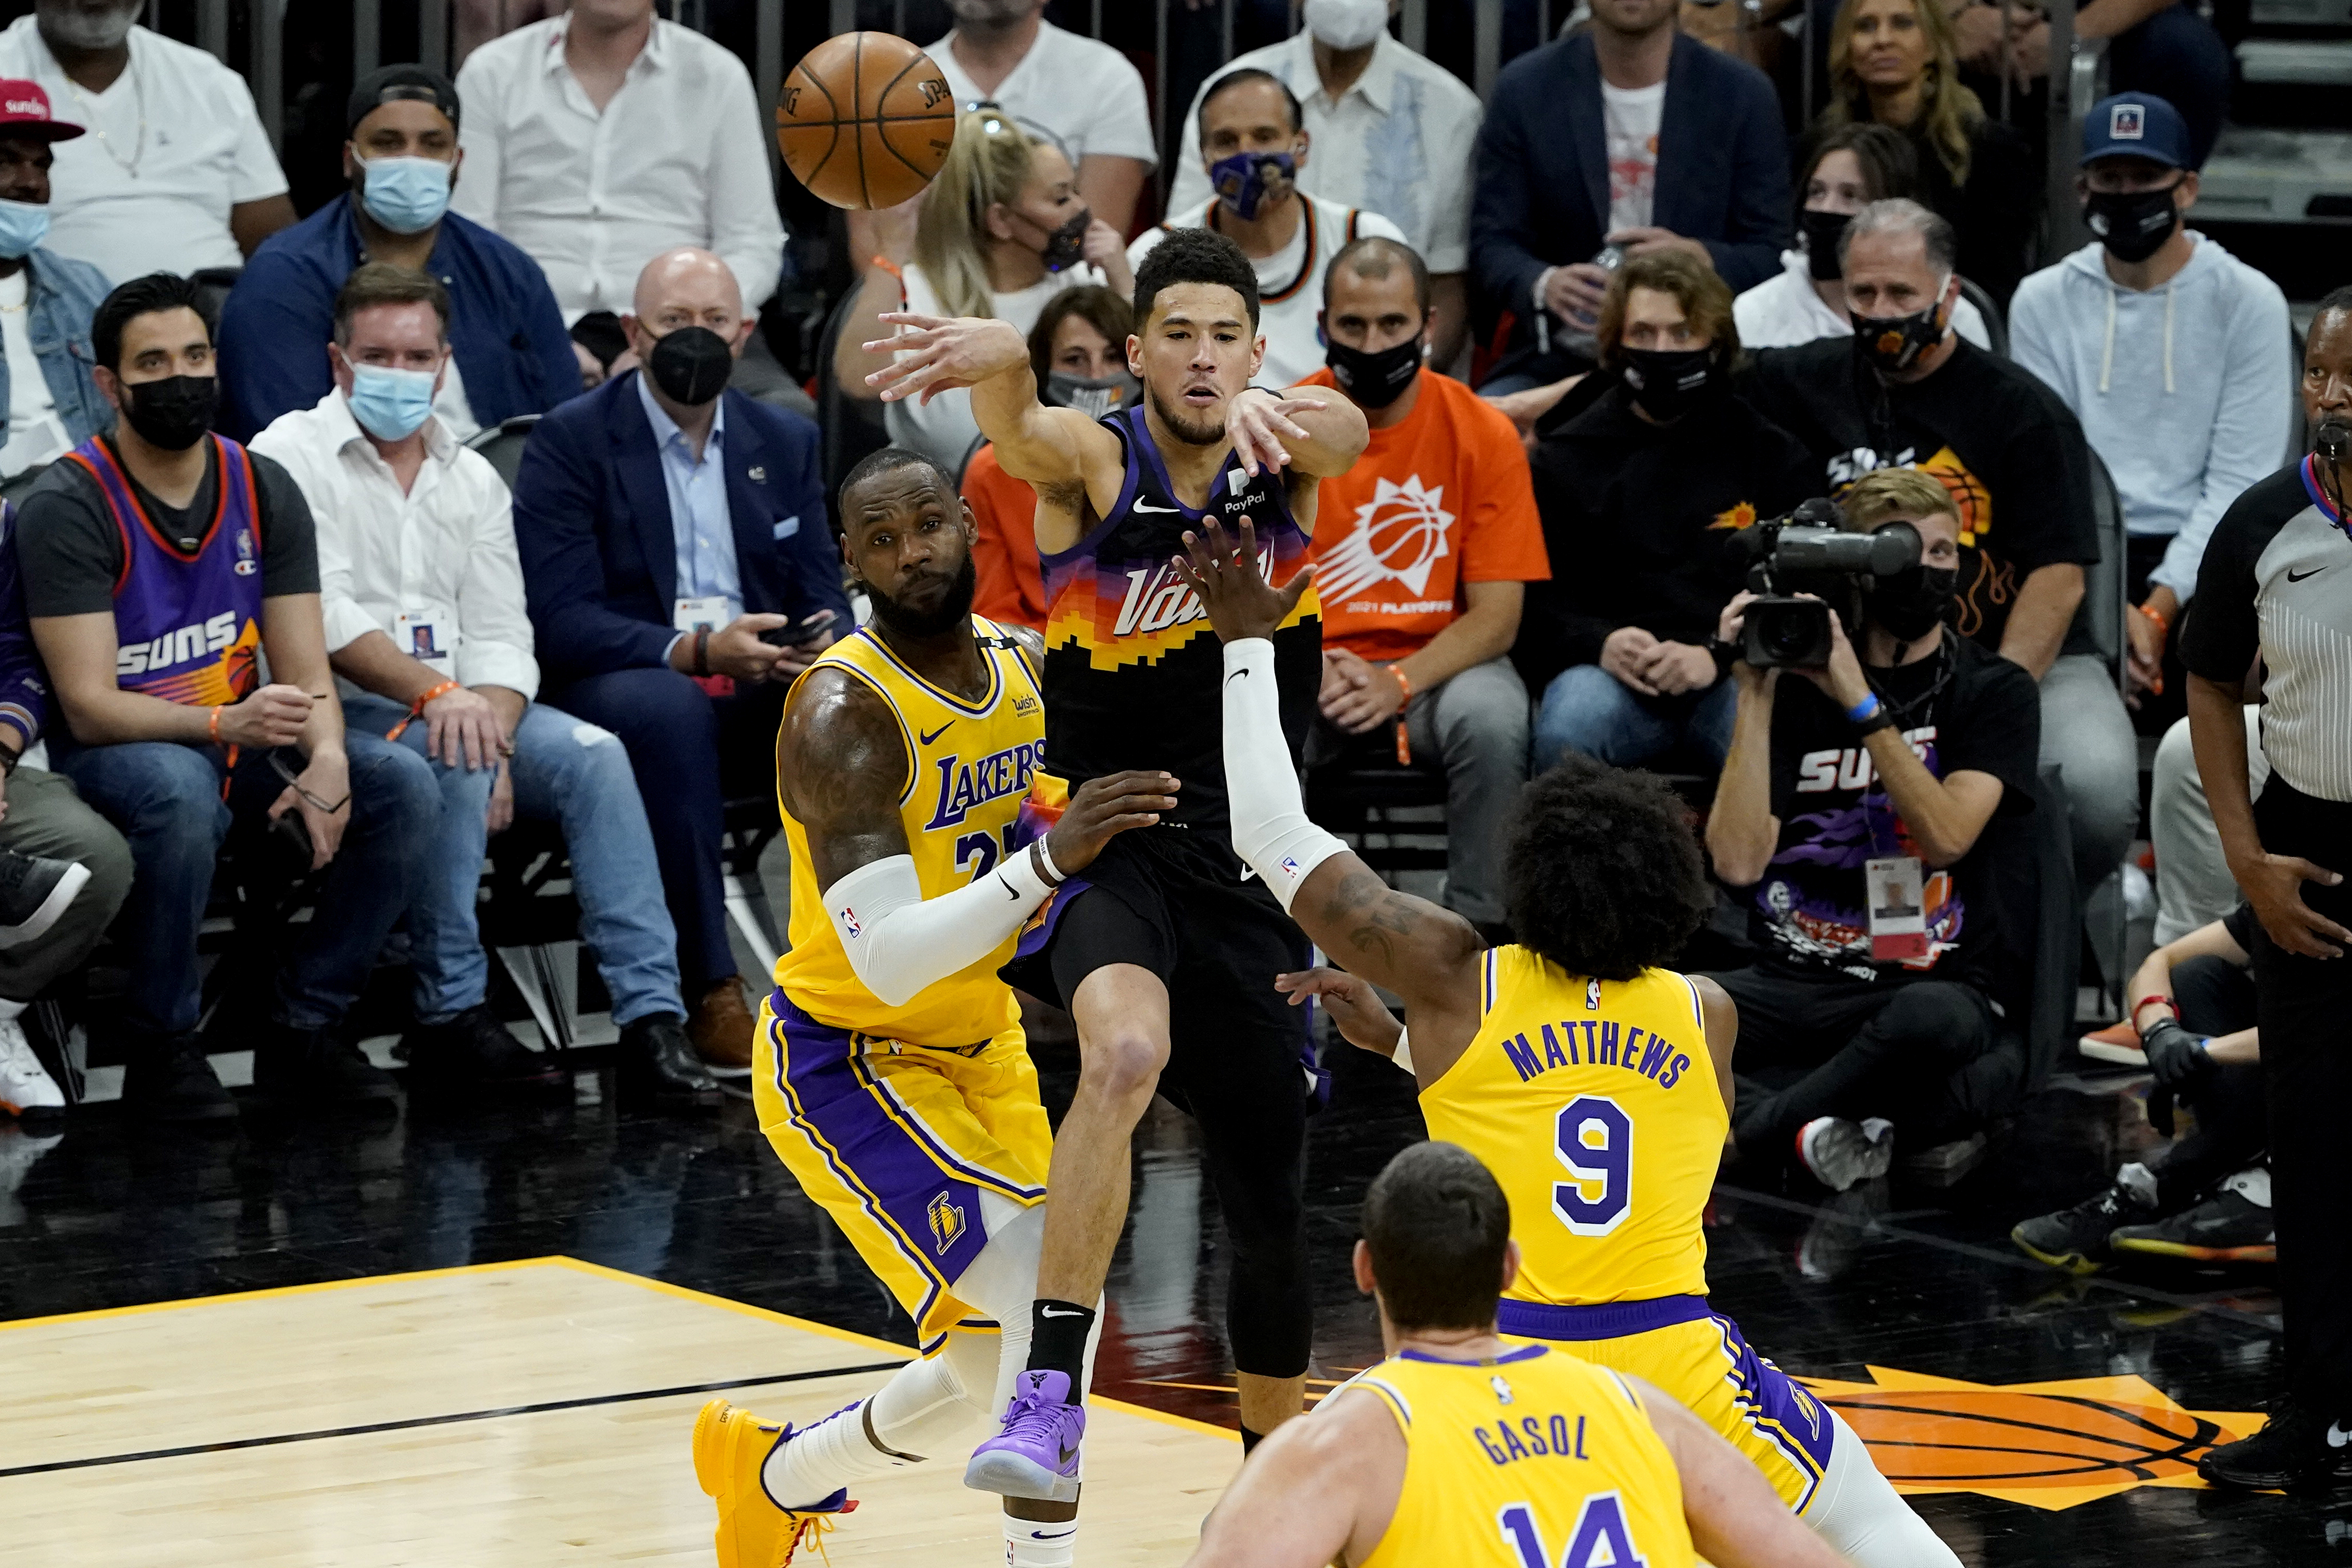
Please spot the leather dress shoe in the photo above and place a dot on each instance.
(720, 1026)
(655, 1061)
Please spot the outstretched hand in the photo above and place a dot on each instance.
(1259, 424)
(942, 353)
(1224, 574)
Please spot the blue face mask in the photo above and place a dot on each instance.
(22, 226)
(407, 195)
(1241, 180)
(390, 403)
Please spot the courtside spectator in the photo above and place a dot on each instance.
(177, 174)
(427, 629)
(1628, 135)
(1422, 552)
(2193, 885)
(46, 300)
(1002, 229)
(2159, 47)
(1850, 167)
(664, 524)
(2170, 351)
(1080, 94)
(1254, 143)
(1077, 350)
(1905, 391)
(1393, 134)
(509, 355)
(1891, 62)
(1871, 999)
(64, 870)
(161, 565)
(1643, 496)
(605, 135)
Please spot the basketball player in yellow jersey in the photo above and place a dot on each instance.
(1466, 1450)
(1597, 1082)
(890, 1072)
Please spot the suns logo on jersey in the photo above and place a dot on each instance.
(1400, 535)
(946, 1222)
(228, 670)
(963, 785)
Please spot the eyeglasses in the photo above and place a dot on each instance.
(284, 770)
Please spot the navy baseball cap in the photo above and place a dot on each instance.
(2136, 125)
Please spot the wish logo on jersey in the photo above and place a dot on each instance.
(208, 663)
(1136, 612)
(1804, 917)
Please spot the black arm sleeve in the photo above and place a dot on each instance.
(289, 537)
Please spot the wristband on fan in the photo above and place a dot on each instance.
(212, 725)
(702, 651)
(1404, 684)
(414, 708)
(2152, 996)
(2163, 627)
(1863, 711)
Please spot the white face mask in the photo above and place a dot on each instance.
(78, 28)
(1347, 24)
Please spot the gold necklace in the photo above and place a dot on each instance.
(90, 118)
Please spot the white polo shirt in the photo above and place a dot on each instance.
(1084, 93)
(445, 549)
(182, 145)
(678, 157)
(1290, 281)
(1398, 142)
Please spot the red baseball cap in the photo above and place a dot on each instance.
(24, 111)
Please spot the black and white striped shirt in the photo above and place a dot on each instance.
(2277, 580)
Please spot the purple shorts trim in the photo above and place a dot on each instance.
(1609, 1320)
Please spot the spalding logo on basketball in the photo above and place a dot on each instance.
(1398, 536)
(2045, 1445)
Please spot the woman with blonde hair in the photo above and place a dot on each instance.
(1000, 232)
(1894, 63)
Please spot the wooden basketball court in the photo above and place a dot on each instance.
(506, 1415)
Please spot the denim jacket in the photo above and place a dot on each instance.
(64, 295)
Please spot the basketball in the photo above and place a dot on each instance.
(864, 121)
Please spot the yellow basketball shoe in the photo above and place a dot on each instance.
(730, 1451)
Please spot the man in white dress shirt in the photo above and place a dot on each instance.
(1393, 134)
(422, 594)
(176, 174)
(602, 137)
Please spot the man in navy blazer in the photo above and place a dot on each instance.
(1558, 154)
(665, 526)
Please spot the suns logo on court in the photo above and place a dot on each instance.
(1398, 537)
(947, 1222)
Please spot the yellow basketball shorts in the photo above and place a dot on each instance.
(1700, 1358)
(898, 1142)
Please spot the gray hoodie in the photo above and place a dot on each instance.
(2185, 391)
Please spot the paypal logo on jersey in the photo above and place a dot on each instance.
(178, 646)
(963, 785)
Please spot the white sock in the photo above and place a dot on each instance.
(822, 1459)
(1034, 1543)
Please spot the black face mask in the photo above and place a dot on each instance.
(1066, 244)
(174, 412)
(1912, 604)
(1377, 378)
(1821, 231)
(2132, 225)
(949, 613)
(1894, 343)
(1666, 383)
(690, 365)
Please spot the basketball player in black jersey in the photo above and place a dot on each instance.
(1165, 951)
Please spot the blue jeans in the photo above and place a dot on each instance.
(1586, 709)
(167, 799)
(565, 772)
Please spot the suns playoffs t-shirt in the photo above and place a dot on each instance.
(1966, 711)
(1438, 499)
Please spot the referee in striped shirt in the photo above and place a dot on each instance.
(2277, 581)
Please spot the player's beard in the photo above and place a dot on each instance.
(1183, 424)
(919, 624)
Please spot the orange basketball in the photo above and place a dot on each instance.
(866, 120)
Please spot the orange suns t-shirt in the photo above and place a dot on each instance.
(1440, 500)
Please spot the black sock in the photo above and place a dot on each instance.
(1058, 1341)
(1250, 1440)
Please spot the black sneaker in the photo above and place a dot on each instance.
(656, 1061)
(2075, 1239)
(2225, 1229)
(2299, 1446)
(170, 1079)
(33, 893)
(474, 1050)
(317, 1067)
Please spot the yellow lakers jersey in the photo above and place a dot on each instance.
(967, 768)
(1594, 1102)
(1525, 1461)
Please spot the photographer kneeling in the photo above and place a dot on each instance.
(1850, 800)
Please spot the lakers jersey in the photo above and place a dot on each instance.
(1531, 1459)
(1134, 673)
(967, 768)
(1595, 1104)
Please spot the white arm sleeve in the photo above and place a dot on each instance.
(1270, 827)
(900, 942)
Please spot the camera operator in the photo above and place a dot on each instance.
(1849, 803)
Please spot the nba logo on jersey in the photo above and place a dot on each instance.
(1502, 1389)
(946, 1222)
(1592, 996)
(245, 564)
